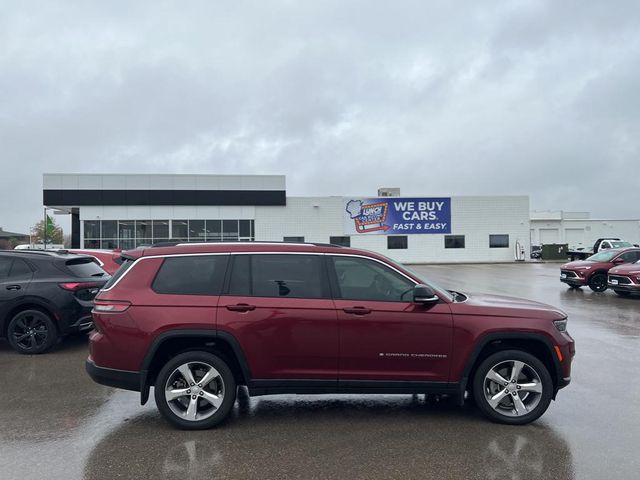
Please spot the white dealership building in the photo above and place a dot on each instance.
(126, 211)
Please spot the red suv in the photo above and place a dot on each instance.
(625, 279)
(593, 270)
(196, 321)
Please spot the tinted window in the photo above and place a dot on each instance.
(192, 275)
(85, 268)
(629, 257)
(498, 241)
(397, 242)
(5, 266)
(342, 241)
(454, 241)
(20, 270)
(363, 279)
(292, 276)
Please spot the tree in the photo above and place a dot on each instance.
(54, 232)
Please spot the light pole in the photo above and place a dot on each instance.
(44, 239)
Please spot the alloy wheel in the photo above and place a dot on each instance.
(194, 391)
(30, 331)
(512, 388)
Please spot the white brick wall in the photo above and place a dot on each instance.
(583, 233)
(318, 218)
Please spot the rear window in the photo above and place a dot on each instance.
(125, 265)
(191, 275)
(85, 268)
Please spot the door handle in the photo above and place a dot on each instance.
(357, 310)
(241, 307)
(13, 287)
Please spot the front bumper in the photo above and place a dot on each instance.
(631, 288)
(111, 377)
(574, 281)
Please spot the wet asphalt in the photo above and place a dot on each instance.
(55, 423)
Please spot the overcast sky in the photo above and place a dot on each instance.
(437, 98)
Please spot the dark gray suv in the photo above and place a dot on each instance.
(44, 295)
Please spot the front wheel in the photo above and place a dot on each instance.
(195, 390)
(31, 332)
(598, 282)
(512, 387)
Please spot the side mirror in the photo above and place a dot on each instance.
(618, 261)
(424, 294)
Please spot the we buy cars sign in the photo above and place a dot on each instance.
(396, 215)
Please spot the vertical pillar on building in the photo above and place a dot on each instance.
(75, 230)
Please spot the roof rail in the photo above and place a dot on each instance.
(35, 251)
(260, 242)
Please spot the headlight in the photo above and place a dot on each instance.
(561, 325)
(583, 268)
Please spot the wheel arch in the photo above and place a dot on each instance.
(27, 304)
(536, 344)
(173, 342)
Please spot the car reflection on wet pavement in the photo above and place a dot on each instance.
(56, 423)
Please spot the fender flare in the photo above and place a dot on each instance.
(214, 335)
(495, 336)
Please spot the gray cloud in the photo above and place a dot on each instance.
(438, 98)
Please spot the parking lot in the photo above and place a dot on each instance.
(56, 423)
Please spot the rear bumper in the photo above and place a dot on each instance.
(111, 377)
(563, 382)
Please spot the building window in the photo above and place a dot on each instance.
(160, 230)
(213, 230)
(293, 239)
(498, 241)
(397, 242)
(128, 234)
(342, 241)
(454, 241)
(180, 230)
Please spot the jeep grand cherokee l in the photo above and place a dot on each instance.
(45, 295)
(195, 321)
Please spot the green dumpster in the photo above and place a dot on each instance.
(555, 251)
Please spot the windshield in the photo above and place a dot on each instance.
(602, 256)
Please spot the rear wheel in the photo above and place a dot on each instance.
(512, 387)
(195, 390)
(598, 282)
(622, 293)
(31, 332)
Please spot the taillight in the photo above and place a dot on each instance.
(110, 307)
(75, 286)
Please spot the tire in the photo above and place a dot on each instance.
(598, 282)
(489, 383)
(622, 293)
(196, 406)
(31, 332)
